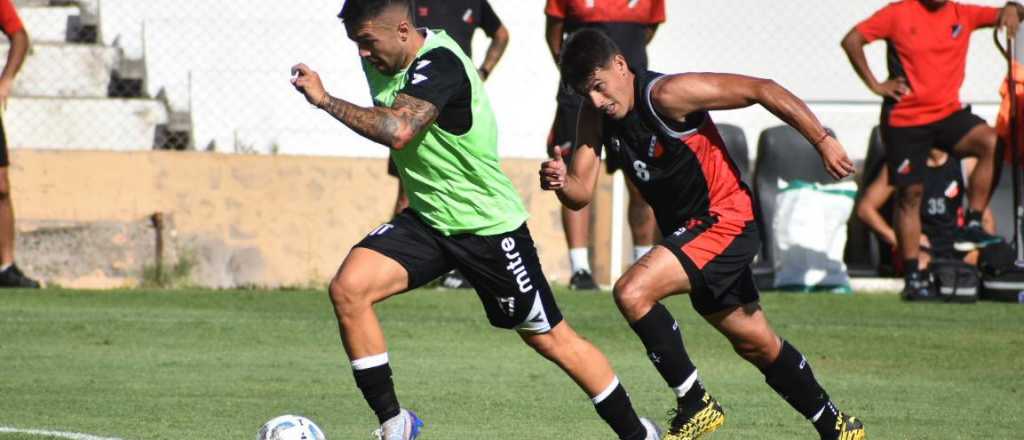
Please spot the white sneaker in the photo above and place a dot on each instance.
(404, 426)
(653, 431)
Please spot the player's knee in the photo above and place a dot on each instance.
(547, 344)
(755, 351)
(630, 296)
(347, 294)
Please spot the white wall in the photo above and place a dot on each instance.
(227, 63)
(795, 42)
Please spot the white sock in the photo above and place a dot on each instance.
(365, 363)
(607, 391)
(639, 251)
(579, 259)
(681, 390)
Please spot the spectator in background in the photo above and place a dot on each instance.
(631, 24)
(941, 213)
(928, 41)
(10, 275)
(459, 19)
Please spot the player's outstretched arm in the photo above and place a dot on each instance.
(392, 126)
(575, 183)
(679, 95)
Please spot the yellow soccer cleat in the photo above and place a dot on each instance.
(693, 426)
(848, 428)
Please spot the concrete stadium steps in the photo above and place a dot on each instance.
(84, 123)
(65, 70)
(50, 24)
(31, 3)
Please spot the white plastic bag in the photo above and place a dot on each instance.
(810, 235)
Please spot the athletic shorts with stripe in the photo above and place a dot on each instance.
(504, 268)
(716, 255)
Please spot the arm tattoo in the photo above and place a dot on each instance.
(391, 126)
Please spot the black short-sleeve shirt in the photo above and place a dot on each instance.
(459, 18)
(439, 78)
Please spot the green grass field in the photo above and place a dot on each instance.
(195, 364)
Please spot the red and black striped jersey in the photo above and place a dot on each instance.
(683, 170)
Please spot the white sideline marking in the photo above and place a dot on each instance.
(68, 435)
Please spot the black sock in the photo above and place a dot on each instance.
(791, 377)
(617, 411)
(378, 390)
(910, 267)
(693, 401)
(660, 334)
(972, 217)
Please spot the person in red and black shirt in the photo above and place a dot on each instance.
(10, 23)
(928, 41)
(661, 126)
(631, 25)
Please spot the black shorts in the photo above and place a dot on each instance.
(504, 268)
(4, 159)
(906, 148)
(716, 256)
(563, 129)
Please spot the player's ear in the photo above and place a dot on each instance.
(619, 64)
(404, 30)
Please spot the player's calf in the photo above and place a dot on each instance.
(790, 375)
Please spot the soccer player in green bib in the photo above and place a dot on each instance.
(431, 109)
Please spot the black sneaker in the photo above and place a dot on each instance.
(918, 287)
(455, 280)
(12, 277)
(972, 236)
(582, 280)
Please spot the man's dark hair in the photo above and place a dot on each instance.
(586, 51)
(359, 11)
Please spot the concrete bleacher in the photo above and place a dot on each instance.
(65, 70)
(84, 123)
(50, 24)
(61, 99)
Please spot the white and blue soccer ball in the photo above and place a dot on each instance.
(290, 427)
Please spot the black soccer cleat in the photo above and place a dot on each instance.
(582, 280)
(972, 237)
(918, 287)
(13, 277)
(847, 428)
(687, 425)
(455, 280)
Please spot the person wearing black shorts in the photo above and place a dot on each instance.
(921, 110)
(631, 24)
(10, 274)
(661, 127)
(432, 110)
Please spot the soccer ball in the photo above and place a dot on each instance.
(289, 427)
